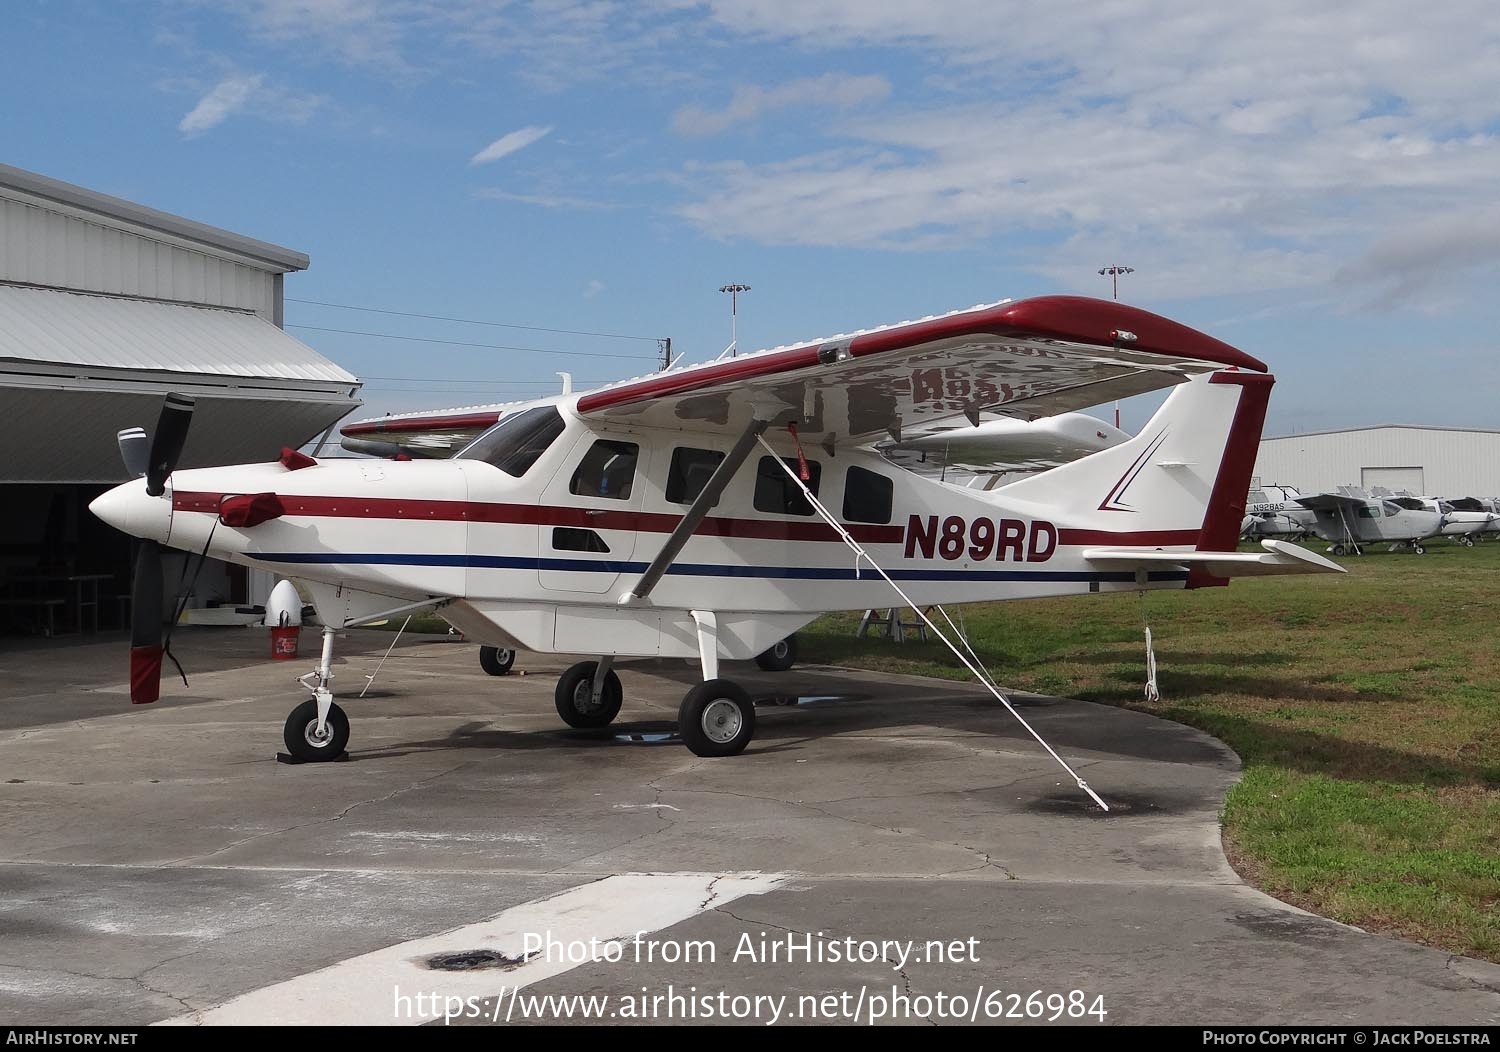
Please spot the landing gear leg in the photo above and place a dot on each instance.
(318, 729)
(717, 717)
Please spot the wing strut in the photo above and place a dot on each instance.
(973, 666)
(697, 511)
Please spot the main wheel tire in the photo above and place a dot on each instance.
(717, 718)
(779, 657)
(1419, 549)
(496, 660)
(1337, 549)
(303, 740)
(575, 697)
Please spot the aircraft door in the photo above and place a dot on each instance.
(587, 536)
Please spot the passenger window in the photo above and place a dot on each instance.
(776, 493)
(867, 496)
(691, 470)
(607, 470)
(573, 539)
(517, 441)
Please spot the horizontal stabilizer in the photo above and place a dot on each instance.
(1279, 557)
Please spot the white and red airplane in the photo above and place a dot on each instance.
(707, 512)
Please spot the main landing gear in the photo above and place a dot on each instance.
(589, 694)
(716, 718)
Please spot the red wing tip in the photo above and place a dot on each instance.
(1096, 321)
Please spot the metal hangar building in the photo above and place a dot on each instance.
(1427, 461)
(105, 307)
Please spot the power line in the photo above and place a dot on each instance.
(467, 321)
(462, 343)
(471, 380)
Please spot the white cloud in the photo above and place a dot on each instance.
(832, 90)
(1233, 148)
(509, 144)
(540, 200)
(592, 289)
(222, 101)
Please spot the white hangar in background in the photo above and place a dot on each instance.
(1427, 461)
(105, 307)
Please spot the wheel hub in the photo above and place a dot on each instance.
(315, 738)
(583, 698)
(722, 720)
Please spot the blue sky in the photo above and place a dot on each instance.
(1316, 184)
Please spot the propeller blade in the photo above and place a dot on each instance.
(145, 625)
(135, 450)
(166, 445)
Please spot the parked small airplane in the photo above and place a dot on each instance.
(1273, 511)
(709, 511)
(1481, 505)
(1350, 519)
(1001, 446)
(1463, 526)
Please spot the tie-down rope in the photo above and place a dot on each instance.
(972, 666)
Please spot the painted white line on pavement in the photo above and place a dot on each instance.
(363, 990)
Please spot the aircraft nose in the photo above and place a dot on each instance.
(130, 510)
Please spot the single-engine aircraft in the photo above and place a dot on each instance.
(999, 446)
(1461, 525)
(710, 511)
(1350, 519)
(1273, 511)
(1488, 506)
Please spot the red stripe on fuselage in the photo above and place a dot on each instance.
(638, 521)
(533, 515)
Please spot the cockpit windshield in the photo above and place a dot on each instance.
(517, 441)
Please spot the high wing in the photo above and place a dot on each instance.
(1003, 445)
(1027, 359)
(1331, 501)
(426, 434)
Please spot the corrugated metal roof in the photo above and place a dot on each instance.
(110, 332)
(279, 259)
(1382, 427)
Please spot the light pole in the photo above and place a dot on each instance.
(734, 291)
(1114, 270)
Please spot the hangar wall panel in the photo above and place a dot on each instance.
(1452, 462)
(39, 246)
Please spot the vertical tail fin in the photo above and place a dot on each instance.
(1182, 482)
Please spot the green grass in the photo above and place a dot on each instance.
(1366, 708)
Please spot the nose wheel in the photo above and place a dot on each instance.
(311, 743)
(496, 660)
(317, 730)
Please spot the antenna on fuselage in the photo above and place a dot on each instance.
(567, 379)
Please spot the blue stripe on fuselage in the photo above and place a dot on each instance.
(800, 573)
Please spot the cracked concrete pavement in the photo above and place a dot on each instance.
(159, 860)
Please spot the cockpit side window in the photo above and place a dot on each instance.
(606, 470)
(516, 442)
